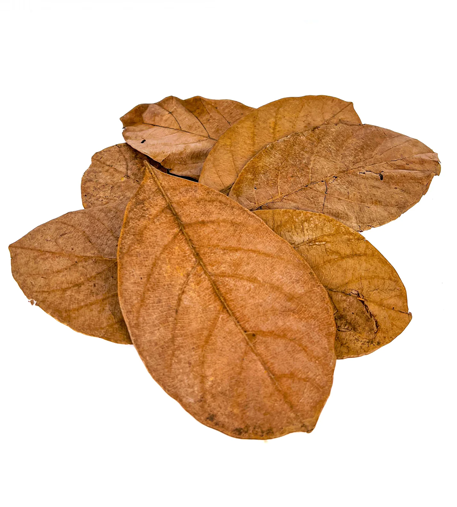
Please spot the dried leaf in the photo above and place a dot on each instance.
(114, 174)
(369, 297)
(180, 133)
(364, 176)
(227, 318)
(69, 267)
(265, 125)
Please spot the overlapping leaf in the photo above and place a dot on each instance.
(368, 295)
(180, 133)
(364, 176)
(226, 316)
(235, 315)
(114, 174)
(265, 125)
(68, 266)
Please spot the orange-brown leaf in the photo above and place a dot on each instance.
(265, 125)
(69, 267)
(369, 297)
(226, 316)
(114, 174)
(180, 133)
(364, 176)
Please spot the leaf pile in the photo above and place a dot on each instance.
(238, 291)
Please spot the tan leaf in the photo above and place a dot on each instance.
(69, 267)
(363, 176)
(369, 297)
(180, 133)
(227, 318)
(114, 174)
(265, 125)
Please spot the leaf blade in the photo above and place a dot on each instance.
(180, 133)
(115, 174)
(69, 267)
(267, 124)
(364, 176)
(369, 296)
(197, 340)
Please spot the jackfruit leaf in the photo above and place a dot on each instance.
(267, 124)
(180, 133)
(364, 176)
(371, 307)
(68, 266)
(226, 316)
(114, 174)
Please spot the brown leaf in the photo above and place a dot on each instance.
(180, 133)
(69, 267)
(227, 318)
(114, 174)
(369, 297)
(363, 176)
(265, 125)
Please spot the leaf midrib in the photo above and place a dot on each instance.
(218, 292)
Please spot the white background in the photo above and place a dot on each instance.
(82, 423)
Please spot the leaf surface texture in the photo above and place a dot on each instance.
(364, 176)
(265, 125)
(68, 266)
(370, 301)
(226, 316)
(114, 174)
(180, 133)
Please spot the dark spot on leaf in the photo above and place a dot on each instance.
(240, 431)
